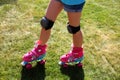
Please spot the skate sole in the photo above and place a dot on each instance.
(77, 61)
(24, 63)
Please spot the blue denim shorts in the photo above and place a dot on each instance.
(73, 8)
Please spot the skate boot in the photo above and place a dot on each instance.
(36, 54)
(74, 57)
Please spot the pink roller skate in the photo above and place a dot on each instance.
(36, 54)
(74, 57)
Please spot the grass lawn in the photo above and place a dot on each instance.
(19, 28)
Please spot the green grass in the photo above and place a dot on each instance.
(19, 28)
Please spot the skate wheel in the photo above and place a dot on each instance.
(42, 62)
(28, 66)
(65, 65)
(79, 64)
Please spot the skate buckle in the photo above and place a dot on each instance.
(33, 57)
(39, 50)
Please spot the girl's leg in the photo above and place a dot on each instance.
(76, 53)
(74, 20)
(39, 50)
(52, 12)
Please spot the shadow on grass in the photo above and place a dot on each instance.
(2, 2)
(73, 72)
(36, 73)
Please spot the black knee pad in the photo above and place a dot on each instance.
(73, 29)
(46, 23)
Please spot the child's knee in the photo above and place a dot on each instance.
(46, 23)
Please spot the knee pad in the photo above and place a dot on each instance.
(46, 23)
(73, 29)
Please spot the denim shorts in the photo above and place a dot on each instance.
(73, 8)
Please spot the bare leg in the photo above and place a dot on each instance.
(74, 20)
(53, 10)
(38, 51)
(76, 53)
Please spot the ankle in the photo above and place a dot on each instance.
(38, 45)
(77, 51)
(39, 42)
